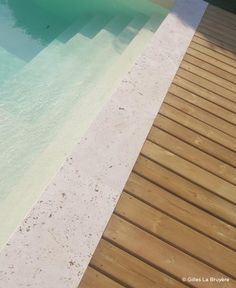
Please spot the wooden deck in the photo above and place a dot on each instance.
(177, 215)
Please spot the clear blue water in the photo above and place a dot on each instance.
(56, 57)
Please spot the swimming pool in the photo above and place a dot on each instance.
(59, 63)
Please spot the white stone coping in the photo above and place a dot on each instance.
(54, 244)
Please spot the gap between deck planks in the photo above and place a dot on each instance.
(177, 214)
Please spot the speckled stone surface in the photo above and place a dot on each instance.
(54, 244)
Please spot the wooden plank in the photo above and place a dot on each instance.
(199, 113)
(217, 34)
(231, 70)
(196, 140)
(210, 64)
(221, 13)
(190, 171)
(195, 89)
(192, 154)
(129, 269)
(208, 75)
(192, 193)
(229, 49)
(159, 253)
(202, 82)
(177, 234)
(198, 126)
(177, 208)
(203, 45)
(94, 279)
(222, 26)
(214, 53)
(228, 32)
(202, 103)
(220, 20)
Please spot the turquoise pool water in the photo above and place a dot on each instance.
(60, 60)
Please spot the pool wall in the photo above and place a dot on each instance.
(67, 222)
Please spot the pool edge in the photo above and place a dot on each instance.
(49, 250)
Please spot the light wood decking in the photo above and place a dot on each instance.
(177, 215)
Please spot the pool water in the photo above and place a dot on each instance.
(60, 60)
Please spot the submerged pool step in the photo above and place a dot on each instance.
(130, 54)
(40, 77)
(94, 62)
(44, 83)
(9, 65)
(100, 56)
(19, 136)
(81, 31)
(84, 110)
(97, 96)
(47, 60)
(79, 89)
(125, 49)
(40, 104)
(72, 30)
